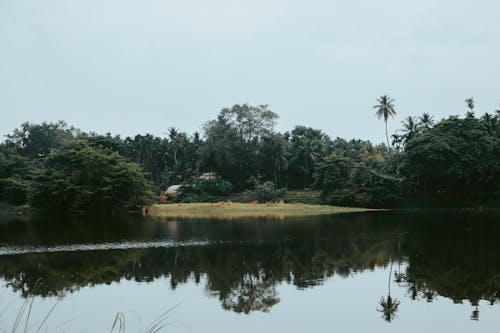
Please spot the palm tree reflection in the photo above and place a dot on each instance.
(388, 306)
(475, 314)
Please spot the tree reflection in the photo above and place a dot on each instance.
(475, 314)
(251, 294)
(243, 272)
(388, 306)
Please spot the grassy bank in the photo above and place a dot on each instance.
(234, 210)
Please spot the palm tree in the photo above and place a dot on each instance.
(409, 129)
(275, 150)
(280, 164)
(371, 154)
(310, 156)
(426, 121)
(470, 103)
(491, 122)
(385, 109)
(175, 143)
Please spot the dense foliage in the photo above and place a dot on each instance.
(265, 192)
(344, 182)
(455, 155)
(79, 176)
(204, 190)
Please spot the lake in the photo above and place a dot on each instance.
(378, 271)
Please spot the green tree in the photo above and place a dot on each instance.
(37, 140)
(385, 109)
(272, 156)
(425, 121)
(470, 103)
(410, 129)
(344, 182)
(250, 122)
(307, 147)
(233, 142)
(14, 175)
(456, 155)
(82, 177)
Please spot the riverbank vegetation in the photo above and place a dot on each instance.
(53, 165)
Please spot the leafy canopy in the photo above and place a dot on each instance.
(79, 176)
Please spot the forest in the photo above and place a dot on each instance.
(58, 166)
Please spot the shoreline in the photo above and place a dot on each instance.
(235, 210)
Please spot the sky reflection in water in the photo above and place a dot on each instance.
(319, 273)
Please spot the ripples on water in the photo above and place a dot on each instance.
(125, 245)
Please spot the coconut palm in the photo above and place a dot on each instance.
(410, 128)
(426, 121)
(371, 154)
(491, 122)
(310, 156)
(175, 143)
(385, 109)
(470, 103)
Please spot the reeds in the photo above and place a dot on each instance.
(23, 321)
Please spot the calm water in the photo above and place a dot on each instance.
(378, 272)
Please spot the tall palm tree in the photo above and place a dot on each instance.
(385, 109)
(175, 143)
(309, 148)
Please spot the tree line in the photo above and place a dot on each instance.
(54, 164)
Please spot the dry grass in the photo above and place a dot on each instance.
(229, 210)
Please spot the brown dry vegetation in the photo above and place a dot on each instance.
(229, 210)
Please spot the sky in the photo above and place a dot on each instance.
(143, 66)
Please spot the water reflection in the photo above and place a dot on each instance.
(430, 255)
(389, 306)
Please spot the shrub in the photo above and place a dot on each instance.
(266, 192)
(204, 190)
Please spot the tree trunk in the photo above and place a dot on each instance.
(387, 137)
(275, 178)
(390, 276)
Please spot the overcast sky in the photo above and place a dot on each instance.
(140, 66)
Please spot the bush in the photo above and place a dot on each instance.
(266, 192)
(204, 190)
(215, 186)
